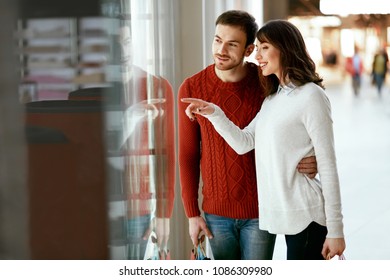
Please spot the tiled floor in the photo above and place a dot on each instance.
(362, 139)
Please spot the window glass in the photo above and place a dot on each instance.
(140, 129)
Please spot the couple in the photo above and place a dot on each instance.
(294, 123)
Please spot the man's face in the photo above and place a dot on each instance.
(228, 47)
(126, 45)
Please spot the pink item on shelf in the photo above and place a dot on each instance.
(52, 95)
(47, 79)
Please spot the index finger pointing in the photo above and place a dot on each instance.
(196, 101)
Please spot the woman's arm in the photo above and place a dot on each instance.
(318, 122)
(241, 140)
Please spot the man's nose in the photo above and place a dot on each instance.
(222, 48)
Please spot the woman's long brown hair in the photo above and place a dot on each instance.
(296, 63)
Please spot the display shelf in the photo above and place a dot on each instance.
(62, 53)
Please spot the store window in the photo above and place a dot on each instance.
(97, 107)
(140, 125)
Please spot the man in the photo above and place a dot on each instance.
(229, 191)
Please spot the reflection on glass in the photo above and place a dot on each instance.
(141, 130)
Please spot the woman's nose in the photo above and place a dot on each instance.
(257, 55)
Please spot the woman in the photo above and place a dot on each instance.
(294, 122)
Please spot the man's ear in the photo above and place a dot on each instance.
(249, 49)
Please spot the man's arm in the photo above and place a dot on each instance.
(189, 167)
(188, 156)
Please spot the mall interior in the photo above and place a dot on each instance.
(88, 133)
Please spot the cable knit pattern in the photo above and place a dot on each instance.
(229, 180)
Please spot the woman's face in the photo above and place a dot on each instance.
(268, 58)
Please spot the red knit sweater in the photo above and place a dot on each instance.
(229, 180)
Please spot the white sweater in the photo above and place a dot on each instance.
(292, 124)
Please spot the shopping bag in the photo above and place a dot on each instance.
(341, 257)
(198, 252)
(156, 253)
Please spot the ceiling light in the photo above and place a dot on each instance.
(349, 7)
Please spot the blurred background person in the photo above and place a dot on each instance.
(354, 66)
(379, 69)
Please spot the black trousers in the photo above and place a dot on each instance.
(306, 245)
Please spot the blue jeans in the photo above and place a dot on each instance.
(239, 239)
(356, 82)
(379, 80)
(136, 228)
